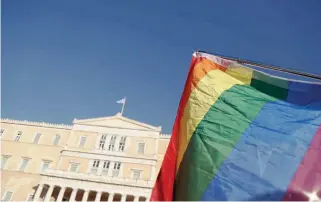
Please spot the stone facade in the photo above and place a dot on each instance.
(101, 159)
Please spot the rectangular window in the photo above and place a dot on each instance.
(116, 169)
(23, 164)
(7, 196)
(136, 174)
(105, 168)
(82, 141)
(112, 142)
(73, 167)
(36, 139)
(56, 140)
(30, 197)
(17, 138)
(95, 166)
(45, 165)
(141, 148)
(4, 160)
(1, 132)
(102, 141)
(122, 144)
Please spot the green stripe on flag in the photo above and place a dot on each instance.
(215, 137)
(272, 86)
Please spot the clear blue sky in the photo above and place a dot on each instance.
(74, 59)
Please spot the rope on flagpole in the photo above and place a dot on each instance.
(269, 67)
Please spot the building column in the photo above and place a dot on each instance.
(111, 168)
(123, 197)
(85, 196)
(156, 146)
(38, 192)
(73, 194)
(98, 196)
(118, 137)
(98, 141)
(110, 197)
(136, 199)
(152, 176)
(49, 192)
(61, 194)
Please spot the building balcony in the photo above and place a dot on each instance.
(99, 178)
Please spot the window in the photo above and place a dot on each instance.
(1, 132)
(82, 141)
(102, 141)
(45, 165)
(56, 140)
(122, 144)
(105, 168)
(116, 169)
(95, 166)
(141, 148)
(30, 197)
(136, 174)
(17, 138)
(73, 167)
(4, 160)
(7, 196)
(23, 164)
(36, 139)
(112, 142)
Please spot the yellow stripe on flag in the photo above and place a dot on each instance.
(204, 95)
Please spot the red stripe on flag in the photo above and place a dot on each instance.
(164, 186)
(307, 179)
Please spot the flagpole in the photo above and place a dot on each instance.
(122, 109)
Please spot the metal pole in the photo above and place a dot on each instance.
(122, 109)
(270, 67)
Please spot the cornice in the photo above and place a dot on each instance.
(34, 123)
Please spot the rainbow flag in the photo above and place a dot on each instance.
(241, 134)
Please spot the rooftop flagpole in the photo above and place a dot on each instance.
(269, 67)
(123, 102)
(123, 107)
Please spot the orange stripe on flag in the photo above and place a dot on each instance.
(163, 189)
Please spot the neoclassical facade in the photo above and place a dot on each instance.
(101, 159)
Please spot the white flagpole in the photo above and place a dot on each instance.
(122, 109)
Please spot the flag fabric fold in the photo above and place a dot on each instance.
(241, 134)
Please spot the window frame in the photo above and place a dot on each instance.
(102, 141)
(144, 148)
(75, 163)
(4, 166)
(30, 194)
(94, 166)
(33, 141)
(18, 135)
(5, 193)
(22, 159)
(55, 138)
(105, 170)
(118, 169)
(43, 163)
(122, 140)
(112, 140)
(2, 130)
(79, 143)
(133, 173)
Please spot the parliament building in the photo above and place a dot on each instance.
(100, 159)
